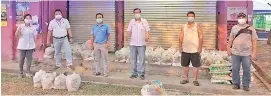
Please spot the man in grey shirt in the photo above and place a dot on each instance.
(242, 49)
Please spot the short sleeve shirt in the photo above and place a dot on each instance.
(138, 31)
(242, 45)
(100, 33)
(59, 28)
(27, 38)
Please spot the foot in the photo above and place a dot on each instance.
(29, 75)
(70, 67)
(184, 82)
(21, 75)
(235, 86)
(56, 67)
(105, 75)
(133, 76)
(245, 89)
(142, 77)
(97, 74)
(196, 83)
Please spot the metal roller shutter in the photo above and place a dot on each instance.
(166, 17)
(82, 17)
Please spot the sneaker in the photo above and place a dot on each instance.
(97, 74)
(21, 75)
(245, 89)
(142, 77)
(133, 76)
(70, 67)
(56, 67)
(235, 86)
(105, 75)
(29, 75)
(184, 81)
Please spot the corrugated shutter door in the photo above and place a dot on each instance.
(82, 17)
(166, 17)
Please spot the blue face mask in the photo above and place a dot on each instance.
(99, 20)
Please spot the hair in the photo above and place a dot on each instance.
(190, 12)
(27, 15)
(137, 9)
(99, 14)
(58, 10)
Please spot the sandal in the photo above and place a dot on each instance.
(196, 83)
(184, 82)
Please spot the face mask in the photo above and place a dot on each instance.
(137, 16)
(58, 16)
(242, 21)
(190, 19)
(27, 21)
(99, 20)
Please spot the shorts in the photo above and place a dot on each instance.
(193, 57)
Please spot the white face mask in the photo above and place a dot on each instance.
(137, 16)
(190, 19)
(58, 16)
(27, 21)
(241, 21)
(99, 20)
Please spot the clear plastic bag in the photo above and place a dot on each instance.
(153, 88)
(73, 82)
(48, 80)
(49, 53)
(60, 82)
(38, 78)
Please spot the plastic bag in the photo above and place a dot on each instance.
(167, 56)
(220, 81)
(48, 80)
(37, 78)
(73, 82)
(177, 59)
(76, 54)
(155, 56)
(87, 55)
(60, 82)
(122, 55)
(148, 52)
(86, 45)
(153, 88)
(49, 53)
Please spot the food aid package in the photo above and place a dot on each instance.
(73, 82)
(37, 78)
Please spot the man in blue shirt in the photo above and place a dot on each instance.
(99, 42)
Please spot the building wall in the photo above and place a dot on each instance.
(45, 11)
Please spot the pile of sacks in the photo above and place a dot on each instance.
(208, 57)
(157, 56)
(46, 80)
(154, 88)
(81, 52)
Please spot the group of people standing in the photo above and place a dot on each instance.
(241, 46)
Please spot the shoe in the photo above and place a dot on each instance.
(21, 75)
(70, 67)
(105, 75)
(235, 86)
(196, 83)
(184, 82)
(245, 89)
(142, 77)
(56, 67)
(97, 74)
(29, 75)
(133, 76)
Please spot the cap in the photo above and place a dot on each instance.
(241, 15)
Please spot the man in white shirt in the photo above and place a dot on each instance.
(60, 29)
(138, 30)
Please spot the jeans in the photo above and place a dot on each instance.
(138, 59)
(58, 44)
(236, 63)
(100, 57)
(28, 54)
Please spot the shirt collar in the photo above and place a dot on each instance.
(98, 24)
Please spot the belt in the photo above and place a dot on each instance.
(60, 37)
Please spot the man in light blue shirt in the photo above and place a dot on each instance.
(99, 42)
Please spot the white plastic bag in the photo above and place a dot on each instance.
(154, 88)
(60, 82)
(122, 55)
(48, 80)
(49, 52)
(177, 59)
(86, 45)
(73, 82)
(37, 78)
(167, 56)
(87, 55)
